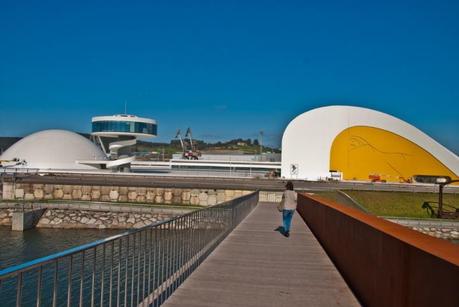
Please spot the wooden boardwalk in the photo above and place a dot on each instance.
(257, 266)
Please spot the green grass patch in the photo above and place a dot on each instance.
(402, 204)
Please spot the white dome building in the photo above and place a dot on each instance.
(55, 149)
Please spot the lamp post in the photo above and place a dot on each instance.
(442, 182)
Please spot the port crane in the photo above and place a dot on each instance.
(190, 153)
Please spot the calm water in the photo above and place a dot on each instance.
(17, 247)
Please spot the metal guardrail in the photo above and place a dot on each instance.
(141, 267)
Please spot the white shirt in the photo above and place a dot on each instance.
(289, 198)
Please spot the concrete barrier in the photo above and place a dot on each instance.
(23, 220)
(385, 264)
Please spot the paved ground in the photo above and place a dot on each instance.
(256, 266)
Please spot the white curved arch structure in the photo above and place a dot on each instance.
(308, 138)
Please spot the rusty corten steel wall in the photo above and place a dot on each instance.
(385, 264)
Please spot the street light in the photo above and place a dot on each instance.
(442, 182)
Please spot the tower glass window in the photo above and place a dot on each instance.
(124, 126)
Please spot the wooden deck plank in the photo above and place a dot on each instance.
(256, 266)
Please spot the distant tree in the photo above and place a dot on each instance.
(255, 142)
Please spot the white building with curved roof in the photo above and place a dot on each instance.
(361, 144)
(54, 149)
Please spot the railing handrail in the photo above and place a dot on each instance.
(73, 250)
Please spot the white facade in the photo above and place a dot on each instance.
(54, 149)
(308, 138)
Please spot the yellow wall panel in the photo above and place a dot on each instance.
(362, 153)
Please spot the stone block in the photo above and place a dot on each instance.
(212, 200)
(132, 195)
(186, 196)
(85, 197)
(38, 194)
(160, 191)
(48, 188)
(76, 194)
(8, 191)
(29, 196)
(105, 197)
(95, 195)
(58, 193)
(27, 188)
(104, 190)
(123, 190)
(141, 198)
(177, 199)
(168, 195)
(203, 196)
(195, 193)
(19, 194)
(159, 199)
(114, 194)
(141, 191)
(220, 196)
(123, 198)
(86, 189)
(67, 189)
(67, 196)
(194, 200)
(229, 193)
(151, 195)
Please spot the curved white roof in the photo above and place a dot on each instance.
(54, 149)
(308, 138)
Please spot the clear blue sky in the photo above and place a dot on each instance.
(227, 68)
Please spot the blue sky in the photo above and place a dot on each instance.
(227, 68)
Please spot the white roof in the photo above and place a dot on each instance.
(125, 118)
(54, 149)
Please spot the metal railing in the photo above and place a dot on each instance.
(141, 267)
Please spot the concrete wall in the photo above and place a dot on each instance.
(384, 263)
(27, 219)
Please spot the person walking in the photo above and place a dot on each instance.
(288, 207)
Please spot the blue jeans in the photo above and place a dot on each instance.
(287, 219)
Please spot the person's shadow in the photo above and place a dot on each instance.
(281, 230)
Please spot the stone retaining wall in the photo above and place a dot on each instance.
(6, 215)
(92, 215)
(440, 229)
(38, 192)
(55, 218)
(199, 197)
